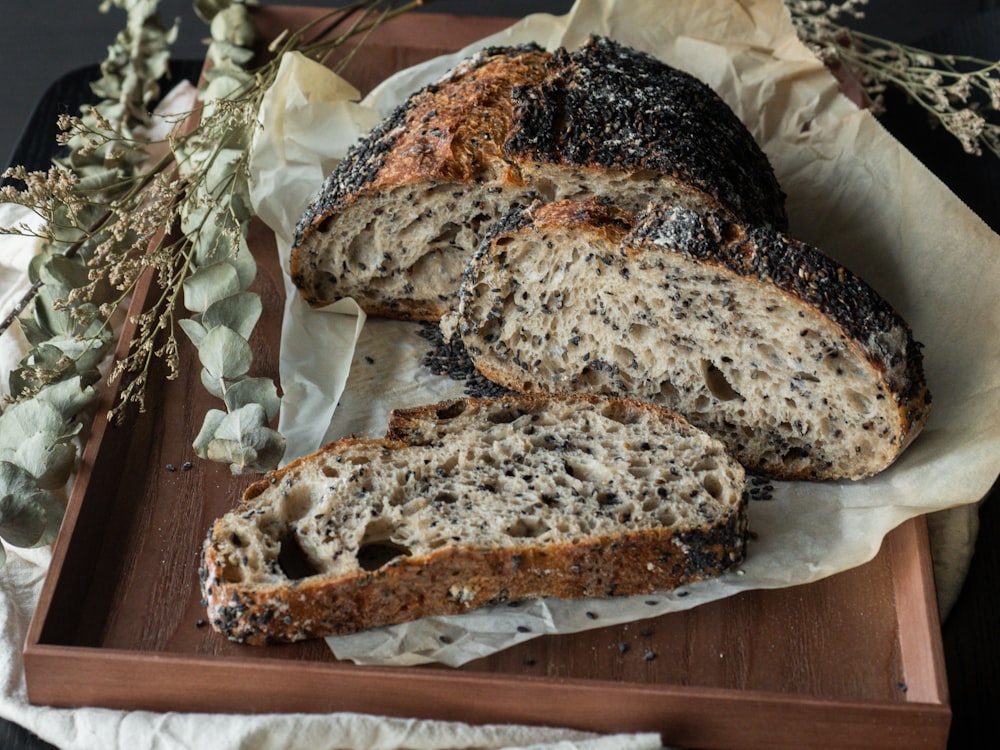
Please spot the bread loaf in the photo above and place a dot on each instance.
(397, 221)
(795, 363)
(473, 502)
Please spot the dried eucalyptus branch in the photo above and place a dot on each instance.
(105, 216)
(960, 93)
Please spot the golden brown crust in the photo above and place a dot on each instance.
(448, 131)
(460, 576)
(455, 579)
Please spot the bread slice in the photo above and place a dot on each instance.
(473, 502)
(795, 363)
(397, 221)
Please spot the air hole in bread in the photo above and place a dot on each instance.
(451, 411)
(504, 416)
(447, 234)
(297, 503)
(732, 233)
(640, 471)
(795, 454)
(644, 176)
(527, 528)
(293, 560)
(605, 499)
(377, 546)
(373, 556)
(545, 189)
(668, 392)
(444, 498)
(666, 517)
(713, 486)
(717, 383)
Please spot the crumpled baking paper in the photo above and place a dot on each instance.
(852, 191)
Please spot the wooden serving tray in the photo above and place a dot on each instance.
(853, 661)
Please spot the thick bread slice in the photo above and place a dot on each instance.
(787, 357)
(397, 221)
(470, 503)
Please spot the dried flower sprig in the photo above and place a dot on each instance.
(959, 93)
(55, 386)
(106, 218)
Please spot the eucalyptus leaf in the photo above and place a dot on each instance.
(69, 396)
(234, 25)
(210, 284)
(56, 321)
(244, 263)
(225, 354)
(215, 385)
(23, 419)
(221, 169)
(86, 352)
(99, 179)
(225, 53)
(241, 422)
(65, 272)
(213, 418)
(34, 332)
(244, 441)
(194, 215)
(49, 460)
(223, 86)
(194, 330)
(29, 516)
(240, 312)
(260, 391)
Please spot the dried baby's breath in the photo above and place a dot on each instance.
(959, 93)
(106, 219)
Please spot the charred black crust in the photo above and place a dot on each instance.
(712, 551)
(798, 269)
(612, 107)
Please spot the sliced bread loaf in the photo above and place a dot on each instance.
(396, 222)
(801, 368)
(474, 502)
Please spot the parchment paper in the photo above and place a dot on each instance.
(852, 190)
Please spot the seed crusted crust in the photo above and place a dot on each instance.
(458, 576)
(522, 124)
(825, 294)
(810, 276)
(610, 107)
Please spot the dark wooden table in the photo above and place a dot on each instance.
(972, 631)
